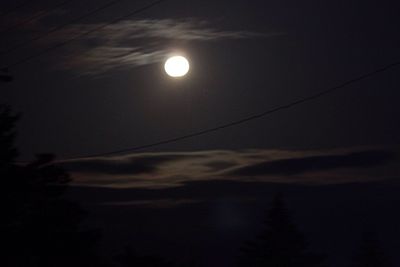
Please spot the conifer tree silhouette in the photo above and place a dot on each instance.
(130, 258)
(280, 244)
(370, 253)
(5, 77)
(39, 227)
(8, 152)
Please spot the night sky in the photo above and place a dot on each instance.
(335, 158)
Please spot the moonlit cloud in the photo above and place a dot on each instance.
(171, 169)
(307, 164)
(182, 29)
(153, 203)
(135, 42)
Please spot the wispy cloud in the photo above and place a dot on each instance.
(307, 164)
(189, 29)
(170, 169)
(152, 203)
(136, 42)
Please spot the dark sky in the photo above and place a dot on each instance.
(107, 91)
(280, 51)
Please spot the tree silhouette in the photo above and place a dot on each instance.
(8, 152)
(5, 76)
(370, 253)
(280, 244)
(130, 258)
(39, 226)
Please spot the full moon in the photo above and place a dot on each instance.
(176, 66)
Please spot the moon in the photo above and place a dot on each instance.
(176, 66)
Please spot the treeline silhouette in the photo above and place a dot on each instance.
(39, 226)
(42, 228)
(281, 244)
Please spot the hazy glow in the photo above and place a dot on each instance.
(176, 66)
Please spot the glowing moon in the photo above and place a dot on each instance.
(176, 66)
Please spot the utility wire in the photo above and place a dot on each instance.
(37, 16)
(135, 12)
(12, 10)
(246, 119)
(60, 27)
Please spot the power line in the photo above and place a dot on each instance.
(37, 16)
(135, 12)
(60, 27)
(12, 10)
(246, 119)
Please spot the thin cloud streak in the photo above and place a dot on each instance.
(292, 166)
(182, 29)
(171, 169)
(136, 43)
